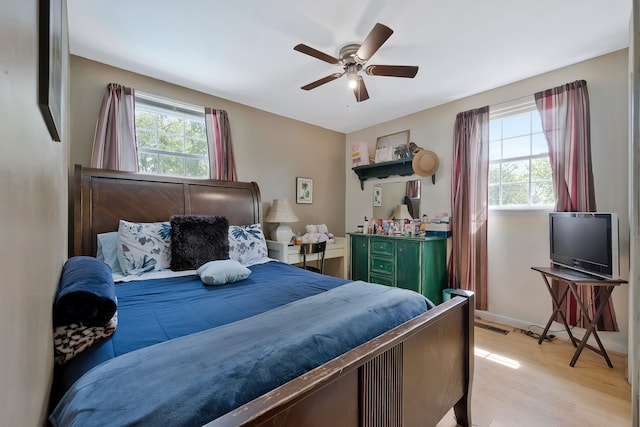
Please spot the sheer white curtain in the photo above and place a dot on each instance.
(469, 204)
(114, 141)
(564, 111)
(222, 163)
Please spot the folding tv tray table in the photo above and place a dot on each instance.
(572, 281)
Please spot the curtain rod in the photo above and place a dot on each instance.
(522, 105)
(168, 103)
(514, 101)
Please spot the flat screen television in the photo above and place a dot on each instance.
(586, 242)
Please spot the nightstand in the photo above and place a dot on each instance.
(291, 254)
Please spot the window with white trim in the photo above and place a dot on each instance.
(171, 137)
(519, 168)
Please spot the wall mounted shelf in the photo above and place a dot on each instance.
(400, 167)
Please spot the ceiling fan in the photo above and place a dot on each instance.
(353, 58)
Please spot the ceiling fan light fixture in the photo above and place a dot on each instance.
(353, 81)
(352, 76)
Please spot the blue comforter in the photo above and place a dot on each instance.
(197, 378)
(154, 311)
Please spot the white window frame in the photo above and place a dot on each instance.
(155, 104)
(520, 106)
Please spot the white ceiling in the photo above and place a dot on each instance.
(242, 50)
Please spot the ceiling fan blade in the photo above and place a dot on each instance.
(360, 91)
(392, 70)
(316, 54)
(374, 40)
(322, 81)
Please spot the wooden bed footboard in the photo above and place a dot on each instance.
(410, 376)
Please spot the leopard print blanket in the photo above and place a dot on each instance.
(69, 340)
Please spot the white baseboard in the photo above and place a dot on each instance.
(557, 328)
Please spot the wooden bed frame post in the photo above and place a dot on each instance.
(462, 408)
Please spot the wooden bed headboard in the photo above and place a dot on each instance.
(103, 197)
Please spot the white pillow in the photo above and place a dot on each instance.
(144, 247)
(108, 250)
(222, 271)
(247, 244)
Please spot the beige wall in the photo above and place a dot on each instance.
(518, 241)
(269, 149)
(33, 219)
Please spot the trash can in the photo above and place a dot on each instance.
(446, 294)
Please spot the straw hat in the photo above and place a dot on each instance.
(425, 163)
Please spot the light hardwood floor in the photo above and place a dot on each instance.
(518, 383)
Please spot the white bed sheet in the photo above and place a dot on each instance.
(161, 274)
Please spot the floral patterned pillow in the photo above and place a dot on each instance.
(247, 244)
(144, 247)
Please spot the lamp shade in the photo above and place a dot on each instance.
(401, 212)
(281, 213)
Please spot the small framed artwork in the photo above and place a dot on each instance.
(377, 196)
(304, 190)
(393, 140)
(50, 66)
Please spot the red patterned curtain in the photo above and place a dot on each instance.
(564, 111)
(114, 141)
(222, 164)
(469, 204)
(412, 189)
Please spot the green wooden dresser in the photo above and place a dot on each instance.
(416, 263)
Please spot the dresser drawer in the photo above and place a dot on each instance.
(382, 279)
(382, 265)
(382, 247)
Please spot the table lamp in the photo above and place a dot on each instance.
(281, 213)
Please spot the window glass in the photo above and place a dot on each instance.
(171, 138)
(519, 168)
(516, 147)
(539, 144)
(495, 150)
(516, 126)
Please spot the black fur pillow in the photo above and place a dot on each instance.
(197, 239)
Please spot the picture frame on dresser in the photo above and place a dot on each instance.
(50, 66)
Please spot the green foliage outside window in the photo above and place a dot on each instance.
(519, 168)
(171, 145)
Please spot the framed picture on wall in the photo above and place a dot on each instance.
(393, 140)
(50, 66)
(304, 190)
(377, 196)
